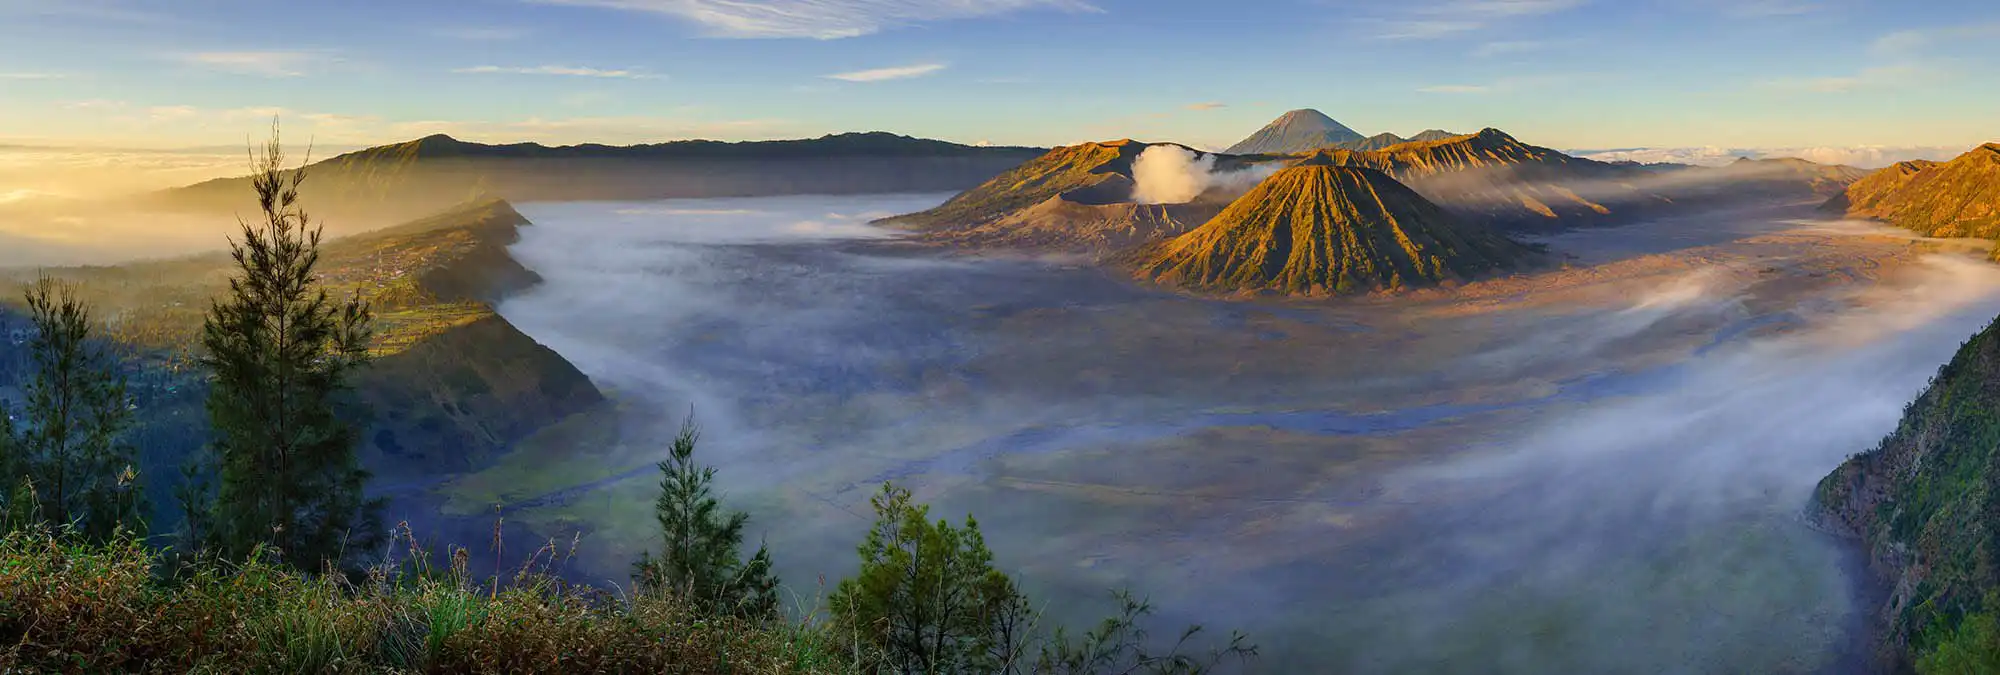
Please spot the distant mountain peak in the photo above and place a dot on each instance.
(1309, 117)
(1302, 130)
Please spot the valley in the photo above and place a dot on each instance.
(1409, 480)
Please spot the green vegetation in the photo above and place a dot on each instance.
(280, 570)
(1972, 648)
(281, 354)
(1319, 229)
(72, 607)
(1926, 504)
(701, 562)
(928, 600)
(69, 465)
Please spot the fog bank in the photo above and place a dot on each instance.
(1590, 487)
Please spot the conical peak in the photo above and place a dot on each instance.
(1308, 116)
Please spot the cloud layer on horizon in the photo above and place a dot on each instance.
(1863, 156)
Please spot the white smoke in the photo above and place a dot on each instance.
(1170, 174)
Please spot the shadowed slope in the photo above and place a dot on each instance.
(1317, 229)
(1960, 198)
(1493, 178)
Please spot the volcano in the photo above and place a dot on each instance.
(1295, 132)
(1318, 228)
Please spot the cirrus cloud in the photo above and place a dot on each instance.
(265, 63)
(567, 71)
(890, 73)
(821, 19)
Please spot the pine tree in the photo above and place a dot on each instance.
(927, 598)
(702, 561)
(280, 354)
(16, 506)
(70, 444)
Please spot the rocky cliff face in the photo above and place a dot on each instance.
(1959, 198)
(1925, 503)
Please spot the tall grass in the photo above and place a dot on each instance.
(71, 607)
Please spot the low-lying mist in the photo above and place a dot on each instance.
(1637, 511)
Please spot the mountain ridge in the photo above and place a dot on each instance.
(401, 181)
(1957, 198)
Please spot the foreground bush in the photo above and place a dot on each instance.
(67, 607)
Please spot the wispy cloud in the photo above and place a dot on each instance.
(1210, 105)
(1769, 8)
(1425, 29)
(821, 19)
(1911, 43)
(95, 11)
(567, 71)
(1432, 20)
(172, 112)
(1495, 49)
(265, 63)
(481, 33)
(1456, 89)
(1867, 78)
(891, 73)
(1505, 84)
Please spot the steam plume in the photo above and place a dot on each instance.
(1170, 174)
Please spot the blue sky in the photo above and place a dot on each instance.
(1562, 73)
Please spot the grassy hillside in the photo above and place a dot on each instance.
(1319, 229)
(453, 383)
(1960, 198)
(1926, 502)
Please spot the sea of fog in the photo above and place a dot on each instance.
(1643, 519)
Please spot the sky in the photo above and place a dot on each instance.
(1689, 75)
